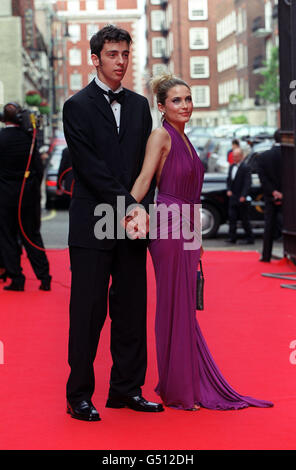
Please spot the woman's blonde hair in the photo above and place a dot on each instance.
(163, 83)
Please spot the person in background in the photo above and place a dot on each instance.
(234, 145)
(270, 170)
(238, 187)
(15, 146)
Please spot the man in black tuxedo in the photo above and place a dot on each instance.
(238, 187)
(270, 174)
(15, 146)
(106, 128)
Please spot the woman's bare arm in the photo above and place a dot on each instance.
(157, 148)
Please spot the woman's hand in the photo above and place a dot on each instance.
(201, 251)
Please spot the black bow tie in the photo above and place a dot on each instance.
(119, 97)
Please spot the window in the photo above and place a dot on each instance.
(75, 81)
(158, 47)
(199, 67)
(91, 30)
(74, 31)
(110, 4)
(226, 89)
(159, 69)
(226, 26)
(157, 20)
(227, 58)
(155, 2)
(198, 38)
(75, 56)
(201, 96)
(73, 6)
(91, 5)
(198, 9)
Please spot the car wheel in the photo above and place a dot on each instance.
(211, 219)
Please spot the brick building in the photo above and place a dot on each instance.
(211, 44)
(181, 40)
(86, 17)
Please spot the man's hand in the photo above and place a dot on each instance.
(229, 193)
(136, 223)
(242, 199)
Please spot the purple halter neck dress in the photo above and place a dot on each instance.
(188, 375)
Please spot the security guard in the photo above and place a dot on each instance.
(15, 146)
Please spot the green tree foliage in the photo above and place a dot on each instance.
(269, 90)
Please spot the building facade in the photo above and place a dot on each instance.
(84, 18)
(212, 45)
(181, 40)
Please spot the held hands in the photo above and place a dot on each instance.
(136, 223)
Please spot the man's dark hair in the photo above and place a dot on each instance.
(10, 113)
(109, 33)
(277, 136)
(236, 142)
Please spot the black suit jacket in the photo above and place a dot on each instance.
(240, 185)
(65, 178)
(270, 170)
(15, 147)
(105, 163)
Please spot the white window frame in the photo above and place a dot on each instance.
(157, 18)
(75, 60)
(195, 5)
(159, 69)
(206, 90)
(73, 6)
(159, 46)
(74, 27)
(91, 29)
(110, 5)
(77, 76)
(193, 32)
(204, 60)
(91, 6)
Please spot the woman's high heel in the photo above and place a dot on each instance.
(3, 277)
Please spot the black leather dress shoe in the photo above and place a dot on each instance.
(45, 284)
(263, 260)
(83, 410)
(137, 403)
(16, 285)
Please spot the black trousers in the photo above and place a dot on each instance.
(91, 272)
(11, 236)
(272, 227)
(239, 211)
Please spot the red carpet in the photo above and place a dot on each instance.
(249, 323)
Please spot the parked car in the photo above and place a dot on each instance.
(51, 178)
(215, 203)
(215, 200)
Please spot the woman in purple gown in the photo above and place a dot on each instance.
(188, 376)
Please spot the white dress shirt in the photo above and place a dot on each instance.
(115, 106)
(234, 170)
